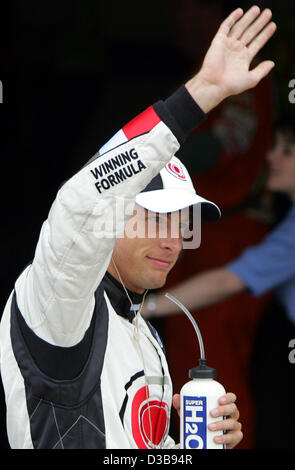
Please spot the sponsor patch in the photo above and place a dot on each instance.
(176, 170)
(116, 169)
(194, 422)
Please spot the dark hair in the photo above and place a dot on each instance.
(286, 125)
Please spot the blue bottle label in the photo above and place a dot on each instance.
(194, 422)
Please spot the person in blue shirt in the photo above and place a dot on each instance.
(271, 264)
(266, 267)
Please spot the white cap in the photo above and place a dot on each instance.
(172, 190)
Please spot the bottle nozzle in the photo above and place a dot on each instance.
(189, 315)
(203, 362)
(202, 371)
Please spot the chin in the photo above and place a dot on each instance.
(275, 182)
(278, 189)
(156, 283)
(271, 186)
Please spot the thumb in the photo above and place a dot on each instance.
(261, 71)
(176, 402)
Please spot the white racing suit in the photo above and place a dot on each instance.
(72, 372)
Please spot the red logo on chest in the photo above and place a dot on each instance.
(150, 420)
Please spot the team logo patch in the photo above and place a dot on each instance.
(150, 420)
(176, 170)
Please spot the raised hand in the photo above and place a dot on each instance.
(226, 67)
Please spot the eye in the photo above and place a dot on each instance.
(288, 151)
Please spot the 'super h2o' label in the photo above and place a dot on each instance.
(194, 422)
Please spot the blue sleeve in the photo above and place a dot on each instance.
(272, 262)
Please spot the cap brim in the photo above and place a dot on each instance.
(171, 200)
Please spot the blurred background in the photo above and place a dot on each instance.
(73, 72)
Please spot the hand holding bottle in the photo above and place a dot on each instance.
(226, 407)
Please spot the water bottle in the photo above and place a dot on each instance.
(198, 397)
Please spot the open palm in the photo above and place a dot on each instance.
(226, 66)
(235, 46)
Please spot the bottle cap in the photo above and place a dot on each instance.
(202, 371)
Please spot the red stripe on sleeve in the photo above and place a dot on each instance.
(142, 123)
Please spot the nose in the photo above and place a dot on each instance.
(274, 154)
(173, 244)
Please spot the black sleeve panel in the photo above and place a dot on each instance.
(180, 113)
(59, 363)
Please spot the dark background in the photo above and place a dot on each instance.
(73, 72)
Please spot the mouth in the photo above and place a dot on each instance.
(160, 263)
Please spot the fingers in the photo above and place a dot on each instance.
(256, 27)
(230, 439)
(251, 28)
(228, 23)
(227, 406)
(244, 23)
(262, 38)
(226, 410)
(229, 424)
(231, 427)
(232, 432)
(229, 397)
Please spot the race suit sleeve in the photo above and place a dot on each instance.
(55, 293)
